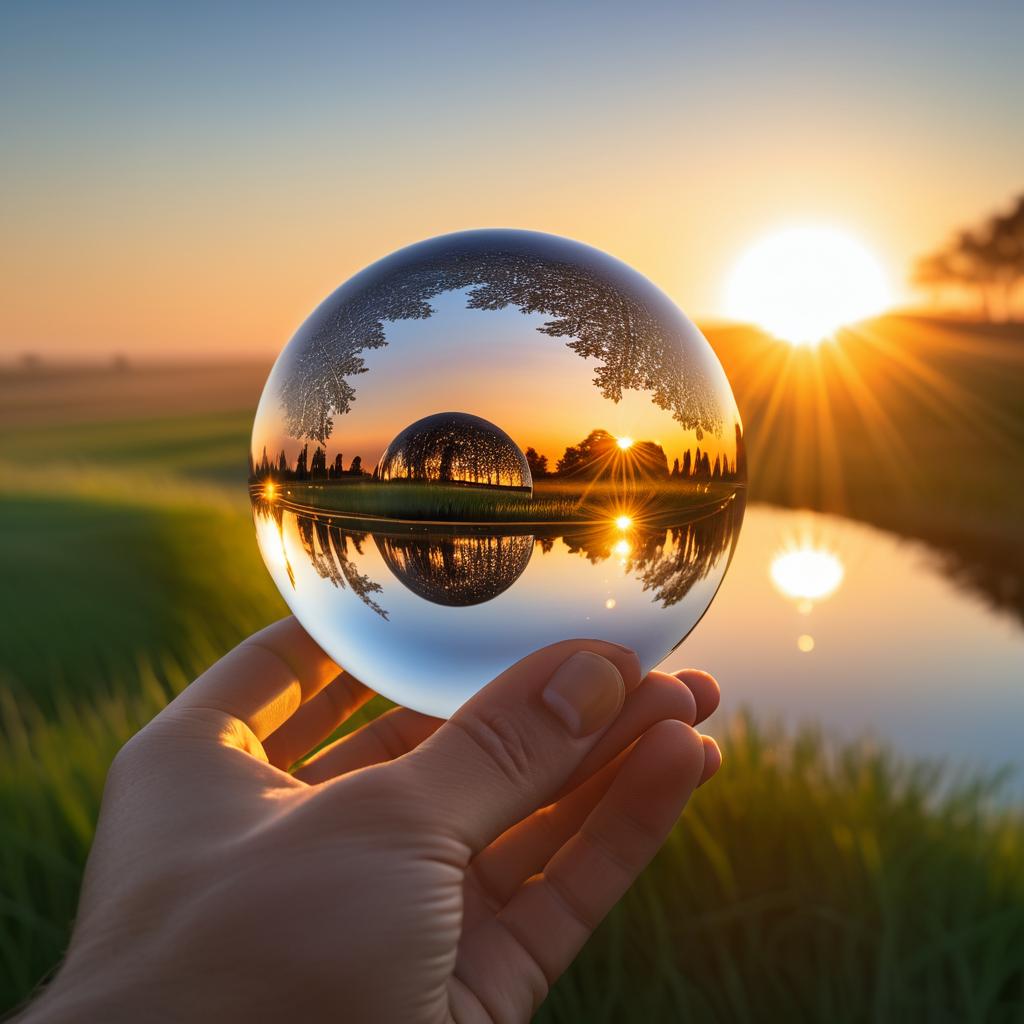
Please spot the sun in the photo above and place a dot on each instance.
(803, 283)
(624, 442)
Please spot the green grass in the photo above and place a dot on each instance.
(552, 500)
(811, 881)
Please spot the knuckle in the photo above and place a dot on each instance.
(505, 742)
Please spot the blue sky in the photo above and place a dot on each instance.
(192, 175)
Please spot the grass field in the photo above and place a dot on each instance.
(553, 501)
(810, 881)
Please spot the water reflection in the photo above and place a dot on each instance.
(900, 651)
(380, 595)
(807, 573)
(453, 570)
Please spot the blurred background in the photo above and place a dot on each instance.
(836, 194)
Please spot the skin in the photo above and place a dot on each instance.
(414, 871)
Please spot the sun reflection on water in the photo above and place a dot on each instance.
(807, 573)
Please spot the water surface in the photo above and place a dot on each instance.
(897, 651)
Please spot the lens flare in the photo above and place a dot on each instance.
(623, 522)
(624, 442)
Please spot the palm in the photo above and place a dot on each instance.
(476, 864)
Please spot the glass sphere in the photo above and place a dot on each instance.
(488, 442)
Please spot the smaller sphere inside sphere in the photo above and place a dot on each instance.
(456, 448)
(590, 485)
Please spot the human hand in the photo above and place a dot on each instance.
(415, 870)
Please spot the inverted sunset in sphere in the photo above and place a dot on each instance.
(488, 442)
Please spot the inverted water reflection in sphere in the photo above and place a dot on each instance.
(486, 443)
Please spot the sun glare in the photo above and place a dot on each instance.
(807, 573)
(802, 284)
(624, 442)
(623, 522)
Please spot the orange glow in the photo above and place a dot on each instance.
(270, 491)
(802, 284)
(624, 442)
(622, 548)
(623, 522)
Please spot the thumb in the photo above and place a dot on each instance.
(509, 749)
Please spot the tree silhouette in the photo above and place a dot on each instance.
(988, 260)
(538, 463)
(667, 560)
(328, 550)
(455, 447)
(599, 454)
(604, 314)
(456, 571)
(356, 466)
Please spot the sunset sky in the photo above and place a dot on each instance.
(192, 179)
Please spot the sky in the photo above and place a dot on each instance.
(192, 179)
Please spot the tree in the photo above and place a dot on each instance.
(609, 319)
(538, 463)
(685, 469)
(675, 469)
(355, 466)
(318, 467)
(588, 457)
(301, 472)
(455, 447)
(987, 260)
(282, 464)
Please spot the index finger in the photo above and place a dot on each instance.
(265, 679)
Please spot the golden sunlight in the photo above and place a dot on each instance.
(803, 283)
(624, 442)
(807, 573)
(623, 522)
(269, 491)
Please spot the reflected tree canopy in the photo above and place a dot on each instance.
(329, 549)
(456, 571)
(605, 319)
(459, 571)
(667, 560)
(455, 447)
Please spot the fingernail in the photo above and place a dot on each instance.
(586, 692)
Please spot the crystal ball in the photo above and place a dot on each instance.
(488, 442)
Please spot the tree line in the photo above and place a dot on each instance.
(305, 468)
(599, 454)
(986, 261)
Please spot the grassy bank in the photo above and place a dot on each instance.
(912, 424)
(552, 500)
